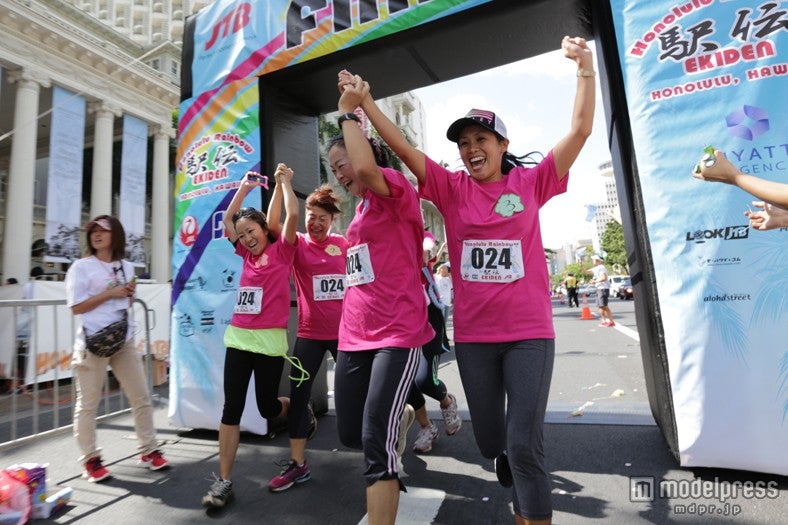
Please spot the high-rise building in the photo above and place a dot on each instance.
(607, 210)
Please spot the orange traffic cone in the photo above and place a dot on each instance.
(585, 314)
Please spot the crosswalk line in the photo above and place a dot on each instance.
(417, 506)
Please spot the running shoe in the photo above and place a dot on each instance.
(502, 470)
(312, 421)
(95, 471)
(611, 323)
(425, 439)
(406, 420)
(220, 493)
(604, 324)
(291, 473)
(451, 419)
(154, 461)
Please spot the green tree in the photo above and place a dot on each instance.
(612, 242)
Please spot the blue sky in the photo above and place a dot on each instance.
(534, 97)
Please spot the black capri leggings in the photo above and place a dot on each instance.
(310, 352)
(238, 368)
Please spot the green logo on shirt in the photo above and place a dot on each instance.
(508, 205)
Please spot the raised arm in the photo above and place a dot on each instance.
(568, 148)
(358, 149)
(235, 204)
(720, 169)
(413, 158)
(291, 202)
(274, 215)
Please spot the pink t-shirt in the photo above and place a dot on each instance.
(319, 275)
(384, 303)
(263, 297)
(501, 284)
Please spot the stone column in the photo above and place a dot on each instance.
(18, 232)
(161, 199)
(103, 137)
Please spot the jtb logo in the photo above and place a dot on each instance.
(236, 20)
(728, 233)
(302, 15)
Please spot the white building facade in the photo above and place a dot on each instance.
(104, 51)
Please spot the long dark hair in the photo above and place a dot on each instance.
(510, 160)
(118, 244)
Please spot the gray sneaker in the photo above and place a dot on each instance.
(220, 493)
(427, 435)
(451, 419)
(406, 420)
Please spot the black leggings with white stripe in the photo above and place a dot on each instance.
(370, 391)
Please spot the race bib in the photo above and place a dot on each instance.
(249, 300)
(492, 261)
(358, 266)
(329, 287)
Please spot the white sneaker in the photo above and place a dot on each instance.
(406, 420)
(451, 419)
(425, 438)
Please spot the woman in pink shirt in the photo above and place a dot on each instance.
(503, 330)
(384, 314)
(256, 338)
(319, 275)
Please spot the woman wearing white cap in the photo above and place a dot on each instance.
(100, 289)
(503, 330)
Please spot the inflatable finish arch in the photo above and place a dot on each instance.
(256, 75)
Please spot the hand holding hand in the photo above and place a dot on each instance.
(283, 174)
(345, 78)
(353, 90)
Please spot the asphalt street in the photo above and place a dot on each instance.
(601, 441)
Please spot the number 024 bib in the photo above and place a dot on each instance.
(249, 300)
(493, 261)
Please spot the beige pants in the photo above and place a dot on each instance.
(90, 372)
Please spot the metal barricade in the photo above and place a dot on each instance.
(33, 409)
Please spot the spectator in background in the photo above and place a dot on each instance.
(602, 284)
(571, 289)
(100, 290)
(445, 288)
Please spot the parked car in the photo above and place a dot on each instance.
(589, 290)
(615, 283)
(625, 290)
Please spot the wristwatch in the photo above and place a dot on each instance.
(346, 116)
(586, 73)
